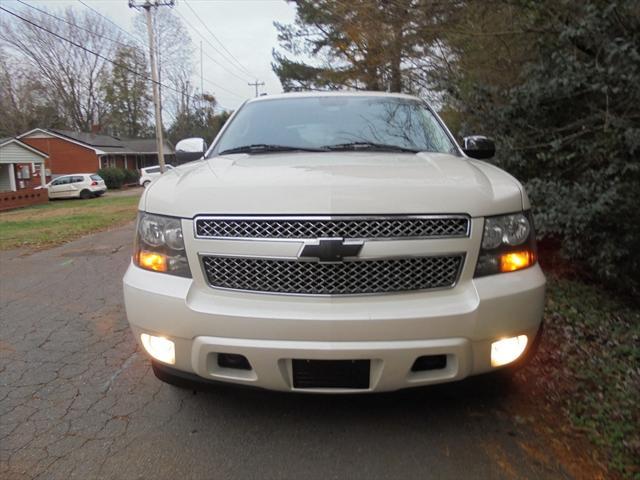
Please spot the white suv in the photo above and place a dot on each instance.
(335, 243)
(77, 185)
(148, 174)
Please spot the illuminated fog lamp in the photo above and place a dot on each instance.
(507, 350)
(160, 348)
(512, 261)
(152, 261)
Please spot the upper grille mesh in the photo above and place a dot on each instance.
(314, 278)
(401, 227)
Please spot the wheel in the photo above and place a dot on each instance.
(146, 183)
(85, 194)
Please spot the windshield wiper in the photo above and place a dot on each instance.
(264, 147)
(382, 147)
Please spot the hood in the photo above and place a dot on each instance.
(334, 183)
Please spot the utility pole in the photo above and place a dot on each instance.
(256, 84)
(146, 5)
(201, 77)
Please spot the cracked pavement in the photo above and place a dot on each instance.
(78, 399)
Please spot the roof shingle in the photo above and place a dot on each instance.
(111, 144)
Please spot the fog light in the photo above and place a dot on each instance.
(507, 350)
(160, 348)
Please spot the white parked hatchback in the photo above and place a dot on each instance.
(148, 174)
(335, 243)
(77, 185)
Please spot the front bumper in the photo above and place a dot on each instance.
(389, 330)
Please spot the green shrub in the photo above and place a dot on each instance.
(568, 128)
(131, 177)
(112, 176)
(117, 177)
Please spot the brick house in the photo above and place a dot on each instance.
(79, 152)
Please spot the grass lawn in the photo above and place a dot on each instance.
(63, 220)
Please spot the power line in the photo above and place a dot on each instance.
(240, 65)
(154, 75)
(186, 21)
(129, 34)
(220, 64)
(73, 24)
(206, 54)
(141, 43)
(74, 43)
(126, 67)
(112, 22)
(223, 88)
(212, 46)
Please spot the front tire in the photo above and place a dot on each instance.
(146, 183)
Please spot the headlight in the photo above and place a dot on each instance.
(159, 245)
(508, 244)
(507, 229)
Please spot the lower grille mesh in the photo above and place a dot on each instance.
(313, 278)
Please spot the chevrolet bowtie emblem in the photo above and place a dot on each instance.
(328, 250)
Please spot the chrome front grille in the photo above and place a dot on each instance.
(312, 227)
(345, 278)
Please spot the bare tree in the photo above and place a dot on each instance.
(25, 102)
(72, 74)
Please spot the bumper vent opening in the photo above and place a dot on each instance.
(235, 361)
(429, 362)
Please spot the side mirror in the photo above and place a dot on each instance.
(190, 149)
(477, 146)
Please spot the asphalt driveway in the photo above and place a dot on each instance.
(79, 400)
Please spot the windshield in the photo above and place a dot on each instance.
(335, 122)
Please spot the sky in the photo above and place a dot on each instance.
(245, 28)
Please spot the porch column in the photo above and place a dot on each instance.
(12, 177)
(43, 174)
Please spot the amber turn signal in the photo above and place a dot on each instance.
(152, 261)
(512, 261)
